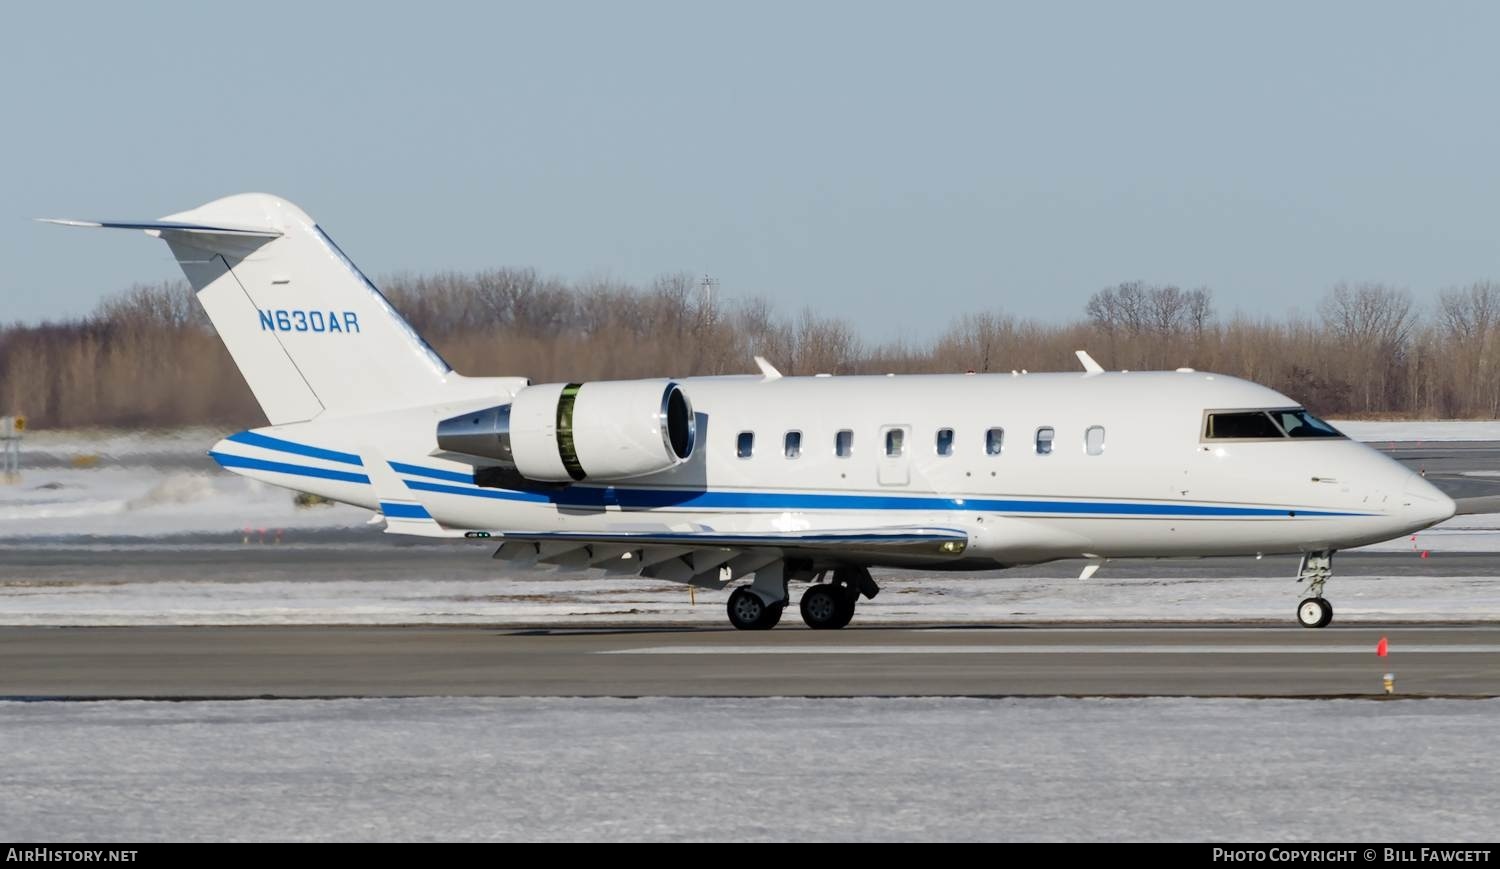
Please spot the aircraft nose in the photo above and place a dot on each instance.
(1424, 503)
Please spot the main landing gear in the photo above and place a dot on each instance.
(825, 605)
(830, 605)
(748, 612)
(758, 606)
(1317, 568)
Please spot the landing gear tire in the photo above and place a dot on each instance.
(1314, 612)
(748, 612)
(846, 612)
(828, 606)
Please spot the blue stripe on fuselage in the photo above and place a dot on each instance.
(648, 499)
(229, 460)
(404, 511)
(250, 438)
(419, 471)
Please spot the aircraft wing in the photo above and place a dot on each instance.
(698, 557)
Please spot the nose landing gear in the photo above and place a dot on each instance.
(1317, 568)
(1314, 612)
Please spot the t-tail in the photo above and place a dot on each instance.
(309, 332)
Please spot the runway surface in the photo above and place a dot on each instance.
(1238, 661)
(1450, 464)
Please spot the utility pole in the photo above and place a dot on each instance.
(709, 284)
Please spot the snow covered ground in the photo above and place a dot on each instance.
(751, 769)
(145, 484)
(1420, 430)
(124, 447)
(133, 501)
(1476, 533)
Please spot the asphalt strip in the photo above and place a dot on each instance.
(1082, 649)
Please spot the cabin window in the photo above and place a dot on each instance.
(994, 440)
(945, 442)
(1044, 438)
(745, 446)
(793, 444)
(895, 442)
(1093, 440)
(843, 443)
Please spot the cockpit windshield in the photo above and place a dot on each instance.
(1301, 424)
(1243, 425)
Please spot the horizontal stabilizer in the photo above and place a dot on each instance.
(168, 226)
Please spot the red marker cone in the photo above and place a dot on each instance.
(1382, 647)
(1424, 553)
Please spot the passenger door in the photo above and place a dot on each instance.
(894, 461)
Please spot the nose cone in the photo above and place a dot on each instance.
(1424, 504)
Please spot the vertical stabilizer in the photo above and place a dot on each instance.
(309, 332)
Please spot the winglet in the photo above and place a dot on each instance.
(1089, 364)
(767, 368)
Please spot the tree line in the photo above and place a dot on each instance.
(148, 357)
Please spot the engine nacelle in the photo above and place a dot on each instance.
(570, 432)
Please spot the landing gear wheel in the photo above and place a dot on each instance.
(748, 612)
(846, 612)
(1315, 612)
(827, 606)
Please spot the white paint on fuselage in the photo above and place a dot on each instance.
(1065, 504)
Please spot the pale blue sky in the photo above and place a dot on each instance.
(892, 163)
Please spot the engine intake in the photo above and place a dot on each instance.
(571, 432)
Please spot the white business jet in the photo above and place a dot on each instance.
(712, 480)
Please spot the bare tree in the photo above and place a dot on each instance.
(1122, 308)
(1371, 324)
(1369, 312)
(1200, 309)
(149, 357)
(1470, 320)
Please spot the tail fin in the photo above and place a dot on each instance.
(307, 329)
